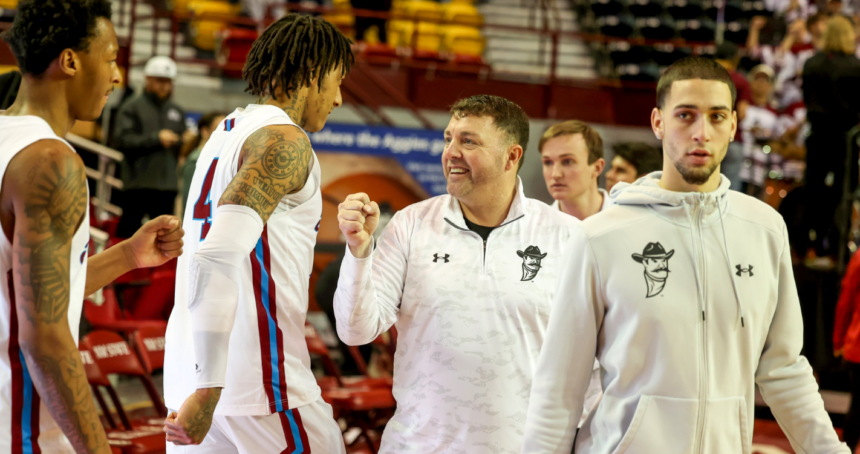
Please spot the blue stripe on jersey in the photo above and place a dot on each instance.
(300, 448)
(27, 410)
(273, 342)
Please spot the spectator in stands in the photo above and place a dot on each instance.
(728, 57)
(633, 160)
(572, 156)
(148, 130)
(191, 150)
(831, 93)
(362, 24)
(846, 344)
(758, 129)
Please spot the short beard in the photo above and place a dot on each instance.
(698, 176)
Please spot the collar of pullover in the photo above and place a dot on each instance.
(454, 214)
(670, 204)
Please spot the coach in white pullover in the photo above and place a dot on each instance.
(685, 291)
(470, 312)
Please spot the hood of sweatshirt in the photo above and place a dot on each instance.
(670, 204)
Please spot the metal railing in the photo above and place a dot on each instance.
(103, 176)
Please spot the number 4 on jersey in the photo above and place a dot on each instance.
(203, 207)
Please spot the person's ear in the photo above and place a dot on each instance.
(515, 154)
(68, 62)
(657, 123)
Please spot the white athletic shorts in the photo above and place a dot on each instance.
(305, 430)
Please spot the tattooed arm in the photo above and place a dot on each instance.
(45, 197)
(275, 162)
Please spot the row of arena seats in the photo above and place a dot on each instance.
(447, 31)
(364, 404)
(681, 9)
(700, 29)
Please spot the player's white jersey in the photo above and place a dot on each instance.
(22, 416)
(268, 366)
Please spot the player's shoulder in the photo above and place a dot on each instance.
(613, 218)
(425, 209)
(754, 211)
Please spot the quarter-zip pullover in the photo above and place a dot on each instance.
(690, 302)
(470, 316)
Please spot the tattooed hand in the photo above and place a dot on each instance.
(276, 161)
(192, 423)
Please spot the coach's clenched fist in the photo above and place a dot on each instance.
(358, 217)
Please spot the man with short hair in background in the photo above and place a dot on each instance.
(572, 157)
(148, 132)
(632, 160)
(727, 56)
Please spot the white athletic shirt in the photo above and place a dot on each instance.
(607, 201)
(471, 318)
(22, 416)
(268, 367)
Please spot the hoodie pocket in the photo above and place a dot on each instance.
(726, 426)
(661, 424)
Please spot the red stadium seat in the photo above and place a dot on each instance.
(234, 45)
(131, 438)
(108, 316)
(113, 356)
(149, 343)
(365, 403)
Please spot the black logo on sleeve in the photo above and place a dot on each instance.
(655, 259)
(437, 257)
(531, 262)
(742, 270)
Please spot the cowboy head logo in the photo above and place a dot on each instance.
(655, 259)
(531, 262)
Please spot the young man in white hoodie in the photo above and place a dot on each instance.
(468, 280)
(685, 291)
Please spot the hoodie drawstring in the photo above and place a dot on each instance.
(696, 261)
(729, 259)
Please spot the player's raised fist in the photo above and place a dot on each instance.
(357, 218)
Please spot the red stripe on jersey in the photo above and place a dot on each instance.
(302, 431)
(18, 383)
(288, 432)
(279, 335)
(17, 373)
(262, 326)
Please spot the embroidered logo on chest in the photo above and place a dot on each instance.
(531, 262)
(655, 260)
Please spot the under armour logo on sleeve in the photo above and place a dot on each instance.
(437, 257)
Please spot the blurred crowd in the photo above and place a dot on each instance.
(798, 95)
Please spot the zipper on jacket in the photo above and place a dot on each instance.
(703, 361)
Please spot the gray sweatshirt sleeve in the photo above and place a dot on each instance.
(367, 300)
(559, 388)
(785, 378)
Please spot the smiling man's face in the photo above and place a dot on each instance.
(474, 154)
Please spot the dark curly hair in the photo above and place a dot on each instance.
(44, 28)
(294, 50)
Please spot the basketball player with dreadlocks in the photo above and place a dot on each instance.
(237, 365)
